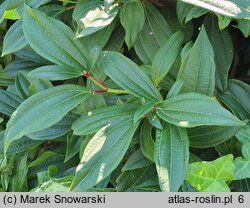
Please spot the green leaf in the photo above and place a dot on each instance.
(41, 158)
(237, 98)
(241, 185)
(3, 7)
(17, 66)
(192, 109)
(223, 21)
(129, 76)
(149, 185)
(185, 50)
(218, 186)
(244, 135)
(55, 185)
(146, 141)
(14, 39)
(29, 54)
(203, 174)
(231, 146)
(223, 49)
(210, 136)
(244, 26)
(93, 56)
(132, 18)
(38, 85)
(154, 34)
(50, 106)
(232, 9)
(100, 38)
(93, 121)
(166, 57)
(73, 144)
(142, 111)
(103, 153)
(22, 85)
(116, 40)
(198, 69)
(53, 40)
(246, 151)
(175, 89)
(59, 129)
(5, 79)
(187, 187)
(135, 161)
(195, 12)
(171, 156)
(19, 177)
(242, 168)
(154, 121)
(92, 16)
(14, 4)
(8, 102)
(55, 72)
(182, 10)
(129, 180)
(18, 146)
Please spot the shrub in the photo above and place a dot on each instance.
(124, 95)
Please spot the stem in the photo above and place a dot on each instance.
(68, 1)
(117, 91)
(100, 84)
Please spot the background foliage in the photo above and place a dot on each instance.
(125, 95)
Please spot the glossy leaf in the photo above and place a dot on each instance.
(244, 26)
(166, 57)
(142, 111)
(244, 135)
(93, 121)
(175, 89)
(129, 76)
(228, 8)
(100, 38)
(154, 34)
(18, 146)
(53, 40)
(38, 85)
(55, 72)
(171, 156)
(129, 180)
(14, 39)
(18, 66)
(50, 106)
(73, 143)
(92, 16)
(192, 109)
(8, 102)
(195, 12)
(103, 153)
(237, 98)
(242, 168)
(223, 48)
(185, 50)
(132, 18)
(210, 136)
(59, 129)
(246, 151)
(198, 69)
(146, 141)
(22, 85)
(203, 174)
(135, 161)
(218, 186)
